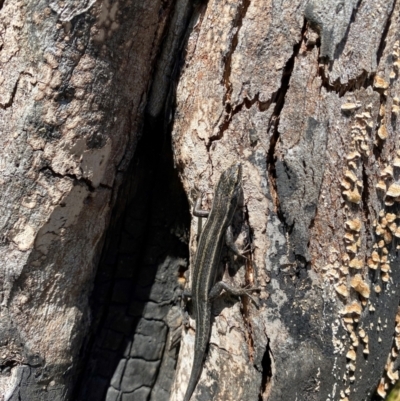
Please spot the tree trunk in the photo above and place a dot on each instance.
(97, 241)
(74, 80)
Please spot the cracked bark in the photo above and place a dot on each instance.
(95, 224)
(298, 163)
(67, 139)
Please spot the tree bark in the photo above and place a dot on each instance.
(74, 82)
(304, 95)
(96, 236)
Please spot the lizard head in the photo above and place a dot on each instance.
(230, 182)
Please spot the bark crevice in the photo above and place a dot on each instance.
(366, 199)
(266, 364)
(235, 40)
(81, 180)
(229, 110)
(364, 80)
(342, 44)
(385, 32)
(279, 100)
(230, 113)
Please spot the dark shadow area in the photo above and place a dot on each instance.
(137, 279)
(266, 364)
(131, 351)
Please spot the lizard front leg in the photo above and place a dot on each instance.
(232, 246)
(221, 285)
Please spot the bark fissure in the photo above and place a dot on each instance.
(156, 209)
(82, 180)
(266, 365)
(8, 365)
(378, 142)
(229, 111)
(382, 45)
(235, 40)
(273, 127)
(244, 310)
(123, 165)
(249, 280)
(365, 196)
(364, 80)
(148, 208)
(342, 44)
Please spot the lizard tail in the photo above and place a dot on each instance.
(196, 371)
(200, 347)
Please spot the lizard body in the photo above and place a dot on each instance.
(206, 263)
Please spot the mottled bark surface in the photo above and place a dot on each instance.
(305, 95)
(95, 230)
(74, 77)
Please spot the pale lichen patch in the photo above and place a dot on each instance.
(56, 80)
(353, 308)
(45, 74)
(382, 132)
(51, 60)
(25, 238)
(354, 225)
(86, 63)
(356, 264)
(342, 290)
(106, 20)
(36, 142)
(350, 107)
(351, 355)
(394, 190)
(360, 286)
(380, 83)
(81, 79)
(29, 201)
(353, 196)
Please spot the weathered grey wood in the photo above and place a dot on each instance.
(74, 77)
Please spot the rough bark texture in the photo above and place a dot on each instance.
(74, 78)
(305, 93)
